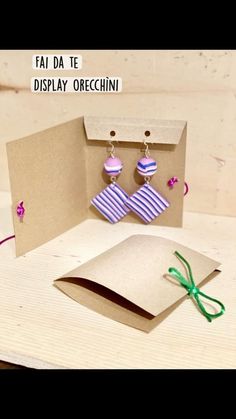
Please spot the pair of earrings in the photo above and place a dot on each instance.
(114, 203)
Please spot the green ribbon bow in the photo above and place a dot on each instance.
(193, 291)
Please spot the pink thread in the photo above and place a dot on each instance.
(172, 181)
(20, 210)
(186, 188)
(4, 240)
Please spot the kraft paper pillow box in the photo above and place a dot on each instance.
(56, 172)
(130, 284)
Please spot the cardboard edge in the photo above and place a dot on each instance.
(15, 220)
(55, 125)
(106, 292)
(112, 122)
(75, 273)
(121, 314)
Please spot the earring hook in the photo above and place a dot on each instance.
(146, 151)
(112, 149)
(110, 142)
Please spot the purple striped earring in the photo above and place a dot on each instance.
(146, 202)
(111, 201)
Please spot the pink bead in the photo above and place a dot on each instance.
(113, 166)
(147, 166)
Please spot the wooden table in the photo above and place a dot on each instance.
(43, 328)
(10, 366)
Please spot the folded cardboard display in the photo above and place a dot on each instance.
(58, 171)
(129, 283)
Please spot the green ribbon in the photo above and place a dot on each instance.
(193, 291)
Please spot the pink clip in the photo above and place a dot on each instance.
(172, 181)
(20, 210)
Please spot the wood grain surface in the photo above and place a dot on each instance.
(43, 328)
(196, 86)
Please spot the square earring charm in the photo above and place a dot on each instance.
(111, 203)
(146, 202)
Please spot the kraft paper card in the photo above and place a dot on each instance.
(129, 283)
(56, 173)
